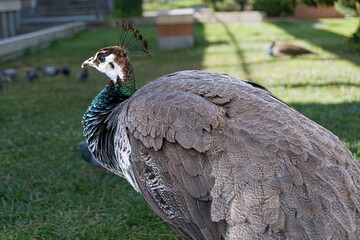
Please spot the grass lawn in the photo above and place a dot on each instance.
(48, 192)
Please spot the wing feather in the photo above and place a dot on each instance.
(179, 198)
(181, 119)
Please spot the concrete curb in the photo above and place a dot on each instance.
(13, 47)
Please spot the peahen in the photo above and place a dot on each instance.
(221, 158)
(287, 49)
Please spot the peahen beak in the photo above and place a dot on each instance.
(89, 62)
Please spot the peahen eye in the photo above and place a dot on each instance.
(101, 57)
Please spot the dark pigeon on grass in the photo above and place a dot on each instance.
(50, 71)
(66, 71)
(10, 74)
(32, 75)
(88, 156)
(1, 81)
(82, 75)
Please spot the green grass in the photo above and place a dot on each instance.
(48, 192)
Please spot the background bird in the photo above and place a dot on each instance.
(1, 81)
(82, 75)
(221, 158)
(10, 74)
(87, 155)
(66, 71)
(32, 75)
(50, 71)
(287, 49)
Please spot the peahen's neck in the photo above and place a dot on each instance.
(127, 86)
(102, 105)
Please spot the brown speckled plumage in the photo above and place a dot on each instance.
(288, 49)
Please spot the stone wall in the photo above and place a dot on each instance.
(9, 17)
(15, 46)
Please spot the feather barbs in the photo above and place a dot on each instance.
(131, 40)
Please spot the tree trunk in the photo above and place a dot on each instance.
(214, 6)
(242, 4)
(356, 35)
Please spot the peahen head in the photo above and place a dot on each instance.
(114, 61)
(270, 49)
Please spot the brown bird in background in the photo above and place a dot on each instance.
(287, 49)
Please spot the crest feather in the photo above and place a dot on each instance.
(131, 39)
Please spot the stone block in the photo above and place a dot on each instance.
(175, 29)
(175, 42)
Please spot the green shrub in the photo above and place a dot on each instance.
(228, 5)
(346, 10)
(275, 8)
(356, 35)
(126, 8)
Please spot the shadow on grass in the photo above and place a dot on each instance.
(169, 61)
(342, 119)
(239, 51)
(329, 41)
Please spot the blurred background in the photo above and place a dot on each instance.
(305, 52)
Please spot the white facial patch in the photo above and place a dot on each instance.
(111, 68)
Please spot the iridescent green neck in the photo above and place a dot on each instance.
(127, 86)
(102, 105)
